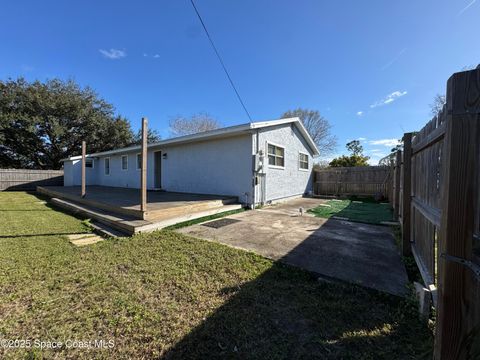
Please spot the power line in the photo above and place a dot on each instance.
(221, 61)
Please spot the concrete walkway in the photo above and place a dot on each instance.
(353, 252)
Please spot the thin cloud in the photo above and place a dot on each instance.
(375, 158)
(155, 56)
(113, 54)
(359, 113)
(395, 59)
(389, 99)
(362, 139)
(466, 8)
(385, 142)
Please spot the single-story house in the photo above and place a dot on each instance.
(260, 162)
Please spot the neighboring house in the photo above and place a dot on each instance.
(258, 162)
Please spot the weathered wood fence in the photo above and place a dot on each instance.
(436, 198)
(346, 181)
(24, 179)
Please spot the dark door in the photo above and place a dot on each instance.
(157, 169)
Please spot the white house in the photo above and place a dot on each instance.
(259, 163)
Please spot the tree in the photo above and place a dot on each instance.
(437, 105)
(354, 147)
(355, 159)
(317, 126)
(152, 137)
(42, 123)
(391, 158)
(197, 123)
(440, 99)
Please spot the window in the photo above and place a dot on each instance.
(139, 161)
(303, 161)
(276, 156)
(124, 162)
(89, 163)
(107, 166)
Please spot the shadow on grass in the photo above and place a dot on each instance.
(24, 210)
(36, 235)
(286, 313)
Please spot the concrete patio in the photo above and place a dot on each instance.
(353, 252)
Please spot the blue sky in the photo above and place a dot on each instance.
(370, 67)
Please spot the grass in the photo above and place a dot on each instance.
(167, 295)
(410, 264)
(359, 210)
(23, 214)
(203, 219)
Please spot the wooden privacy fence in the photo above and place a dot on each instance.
(436, 197)
(345, 181)
(23, 179)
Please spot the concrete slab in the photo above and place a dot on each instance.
(84, 239)
(353, 252)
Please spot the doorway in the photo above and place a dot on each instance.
(157, 170)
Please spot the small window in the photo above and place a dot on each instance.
(124, 162)
(276, 155)
(303, 161)
(107, 166)
(89, 163)
(139, 161)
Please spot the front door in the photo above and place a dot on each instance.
(157, 169)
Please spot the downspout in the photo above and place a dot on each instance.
(254, 169)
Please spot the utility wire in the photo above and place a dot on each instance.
(221, 61)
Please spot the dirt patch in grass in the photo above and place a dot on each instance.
(359, 210)
(167, 295)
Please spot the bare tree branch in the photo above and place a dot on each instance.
(437, 105)
(197, 123)
(318, 127)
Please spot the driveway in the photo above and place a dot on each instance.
(353, 252)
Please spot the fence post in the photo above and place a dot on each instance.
(84, 161)
(396, 186)
(143, 172)
(406, 198)
(458, 313)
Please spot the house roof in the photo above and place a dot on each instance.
(213, 134)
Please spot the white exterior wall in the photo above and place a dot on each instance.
(129, 178)
(72, 173)
(291, 180)
(221, 167)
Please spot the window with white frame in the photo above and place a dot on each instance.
(89, 163)
(276, 155)
(124, 162)
(303, 161)
(107, 166)
(139, 161)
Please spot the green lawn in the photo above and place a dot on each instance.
(167, 295)
(359, 210)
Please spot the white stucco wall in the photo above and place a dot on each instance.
(222, 167)
(72, 171)
(212, 167)
(289, 181)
